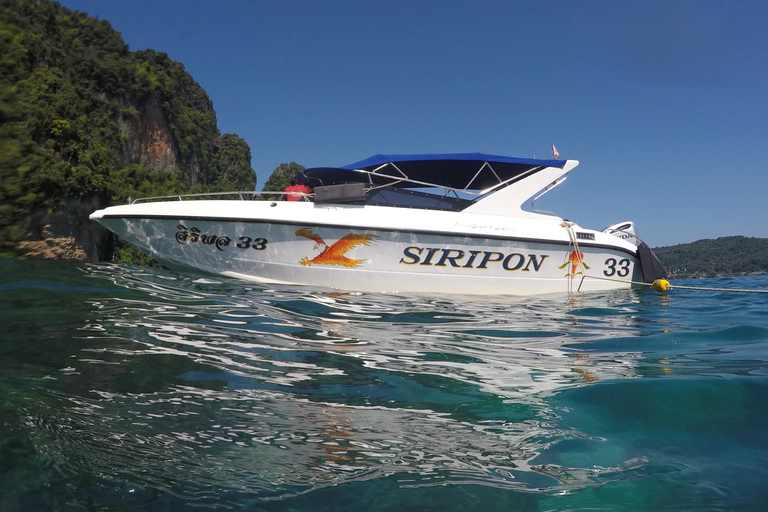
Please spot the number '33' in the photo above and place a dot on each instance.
(620, 268)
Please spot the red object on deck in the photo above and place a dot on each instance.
(295, 191)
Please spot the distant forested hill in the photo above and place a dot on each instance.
(85, 123)
(731, 255)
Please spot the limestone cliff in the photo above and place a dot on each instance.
(85, 123)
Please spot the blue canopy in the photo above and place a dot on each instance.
(456, 170)
(377, 160)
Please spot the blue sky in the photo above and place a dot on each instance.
(664, 103)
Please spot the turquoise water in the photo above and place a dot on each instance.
(124, 388)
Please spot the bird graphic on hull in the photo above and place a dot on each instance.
(334, 254)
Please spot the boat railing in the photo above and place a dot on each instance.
(250, 195)
(243, 195)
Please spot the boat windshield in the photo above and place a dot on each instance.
(415, 199)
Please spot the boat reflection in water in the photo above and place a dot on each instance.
(279, 391)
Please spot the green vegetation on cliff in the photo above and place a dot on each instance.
(726, 256)
(281, 178)
(85, 121)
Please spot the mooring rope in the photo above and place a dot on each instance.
(577, 254)
(662, 285)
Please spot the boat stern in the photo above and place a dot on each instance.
(650, 265)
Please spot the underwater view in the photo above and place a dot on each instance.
(128, 388)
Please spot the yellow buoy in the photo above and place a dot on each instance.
(661, 285)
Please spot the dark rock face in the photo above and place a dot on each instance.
(148, 140)
(66, 234)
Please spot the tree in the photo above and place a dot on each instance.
(281, 176)
(233, 164)
(731, 255)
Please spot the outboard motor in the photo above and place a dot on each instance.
(625, 231)
(649, 264)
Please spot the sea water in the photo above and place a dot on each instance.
(125, 388)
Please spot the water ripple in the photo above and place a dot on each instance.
(203, 387)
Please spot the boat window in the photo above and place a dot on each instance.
(415, 199)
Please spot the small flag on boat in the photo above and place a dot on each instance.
(555, 153)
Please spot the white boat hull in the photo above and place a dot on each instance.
(298, 245)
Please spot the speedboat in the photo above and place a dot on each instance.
(435, 223)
